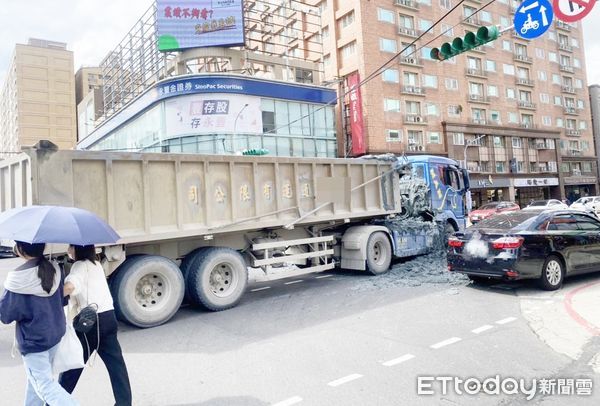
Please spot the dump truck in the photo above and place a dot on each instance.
(191, 225)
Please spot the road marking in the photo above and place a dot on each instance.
(259, 289)
(289, 402)
(323, 276)
(344, 380)
(398, 360)
(506, 320)
(482, 329)
(446, 342)
(292, 282)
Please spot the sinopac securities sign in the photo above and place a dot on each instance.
(185, 24)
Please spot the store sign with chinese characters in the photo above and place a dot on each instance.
(185, 24)
(533, 182)
(580, 180)
(213, 113)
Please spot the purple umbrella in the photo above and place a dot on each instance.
(55, 224)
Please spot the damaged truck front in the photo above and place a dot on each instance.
(191, 224)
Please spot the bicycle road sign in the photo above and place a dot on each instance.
(533, 18)
(572, 10)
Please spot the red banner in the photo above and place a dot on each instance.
(359, 146)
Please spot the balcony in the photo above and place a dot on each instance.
(525, 82)
(565, 47)
(411, 4)
(414, 90)
(472, 20)
(408, 32)
(478, 98)
(571, 110)
(522, 58)
(574, 152)
(541, 145)
(568, 89)
(567, 68)
(525, 104)
(410, 60)
(415, 119)
(477, 72)
(527, 125)
(563, 26)
(480, 121)
(573, 133)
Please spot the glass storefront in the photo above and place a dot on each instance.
(289, 128)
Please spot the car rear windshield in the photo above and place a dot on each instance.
(489, 206)
(519, 220)
(539, 203)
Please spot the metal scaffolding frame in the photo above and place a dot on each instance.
(282, 41)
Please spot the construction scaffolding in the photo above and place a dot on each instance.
(282, 41)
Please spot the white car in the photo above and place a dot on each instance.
(551, 204)
(588, 204)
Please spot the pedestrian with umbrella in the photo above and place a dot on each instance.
(86, 283)
(33, 298)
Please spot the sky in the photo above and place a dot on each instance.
(91, 28)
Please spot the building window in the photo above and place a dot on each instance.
(587, 167)
(578, 84)
(391, 75)
(391, 105)
(388, 45)
(547, 121)
(424, 25)
(447, 4)
(447, 30)
(517, 142)
(433, 137)
(508, 69)
(414, 137)
(500, 167)
(498, 141)
(540, 53)
(394, 135)
(506, 45)
(560, 122)
(347, 19)
(432, 109)
(412, 107)
(545, 98)
(557, 101)
(451, 84)
(406, 21)
(410, 79)
(510, 93)
(385, 16)
(492, 90)
(552, 57)
(490, 66)
(430, 81)
(495, 116)
(513, 117)
(582, 125)
(458, 139)
(454, 110)
(349, 49)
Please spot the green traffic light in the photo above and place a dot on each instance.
(459, 45)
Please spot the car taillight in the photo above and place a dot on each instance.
(507, 243)
(455, 242)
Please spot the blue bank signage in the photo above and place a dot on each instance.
(533, 18)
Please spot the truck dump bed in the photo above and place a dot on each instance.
(153, 196)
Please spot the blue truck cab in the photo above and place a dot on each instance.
(448, 185)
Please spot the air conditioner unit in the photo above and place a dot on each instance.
(474, 96)
(418, 119)
(412, 61)
(420, 147)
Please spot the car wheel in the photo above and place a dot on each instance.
(553, 273)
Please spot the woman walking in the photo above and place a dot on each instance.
(33, 298)
(86, 284)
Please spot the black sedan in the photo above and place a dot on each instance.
(547, 246)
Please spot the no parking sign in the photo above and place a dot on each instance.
(572, 10)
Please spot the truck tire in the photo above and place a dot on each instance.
(379, 253)
(217, 278)
(185, 266)
(147, 290)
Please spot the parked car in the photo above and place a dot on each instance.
(547, 246)
(551, 204)
(490, 209)
(588, 204)
(6, 252)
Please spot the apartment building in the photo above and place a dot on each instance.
(525, 101)
(37, 100)
(88, 98)
(595, 106)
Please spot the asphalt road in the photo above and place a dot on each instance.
(348, 339)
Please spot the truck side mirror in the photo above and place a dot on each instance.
(465, 175)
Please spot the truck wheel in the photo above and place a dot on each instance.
(185, 266)
(217, 278)
(147, 290)
(379, 253)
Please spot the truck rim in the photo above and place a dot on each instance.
(378, 253)
(150, 290)
(222, 279)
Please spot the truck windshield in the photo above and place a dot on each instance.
(418, 171)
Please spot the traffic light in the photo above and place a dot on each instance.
(459, 45)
